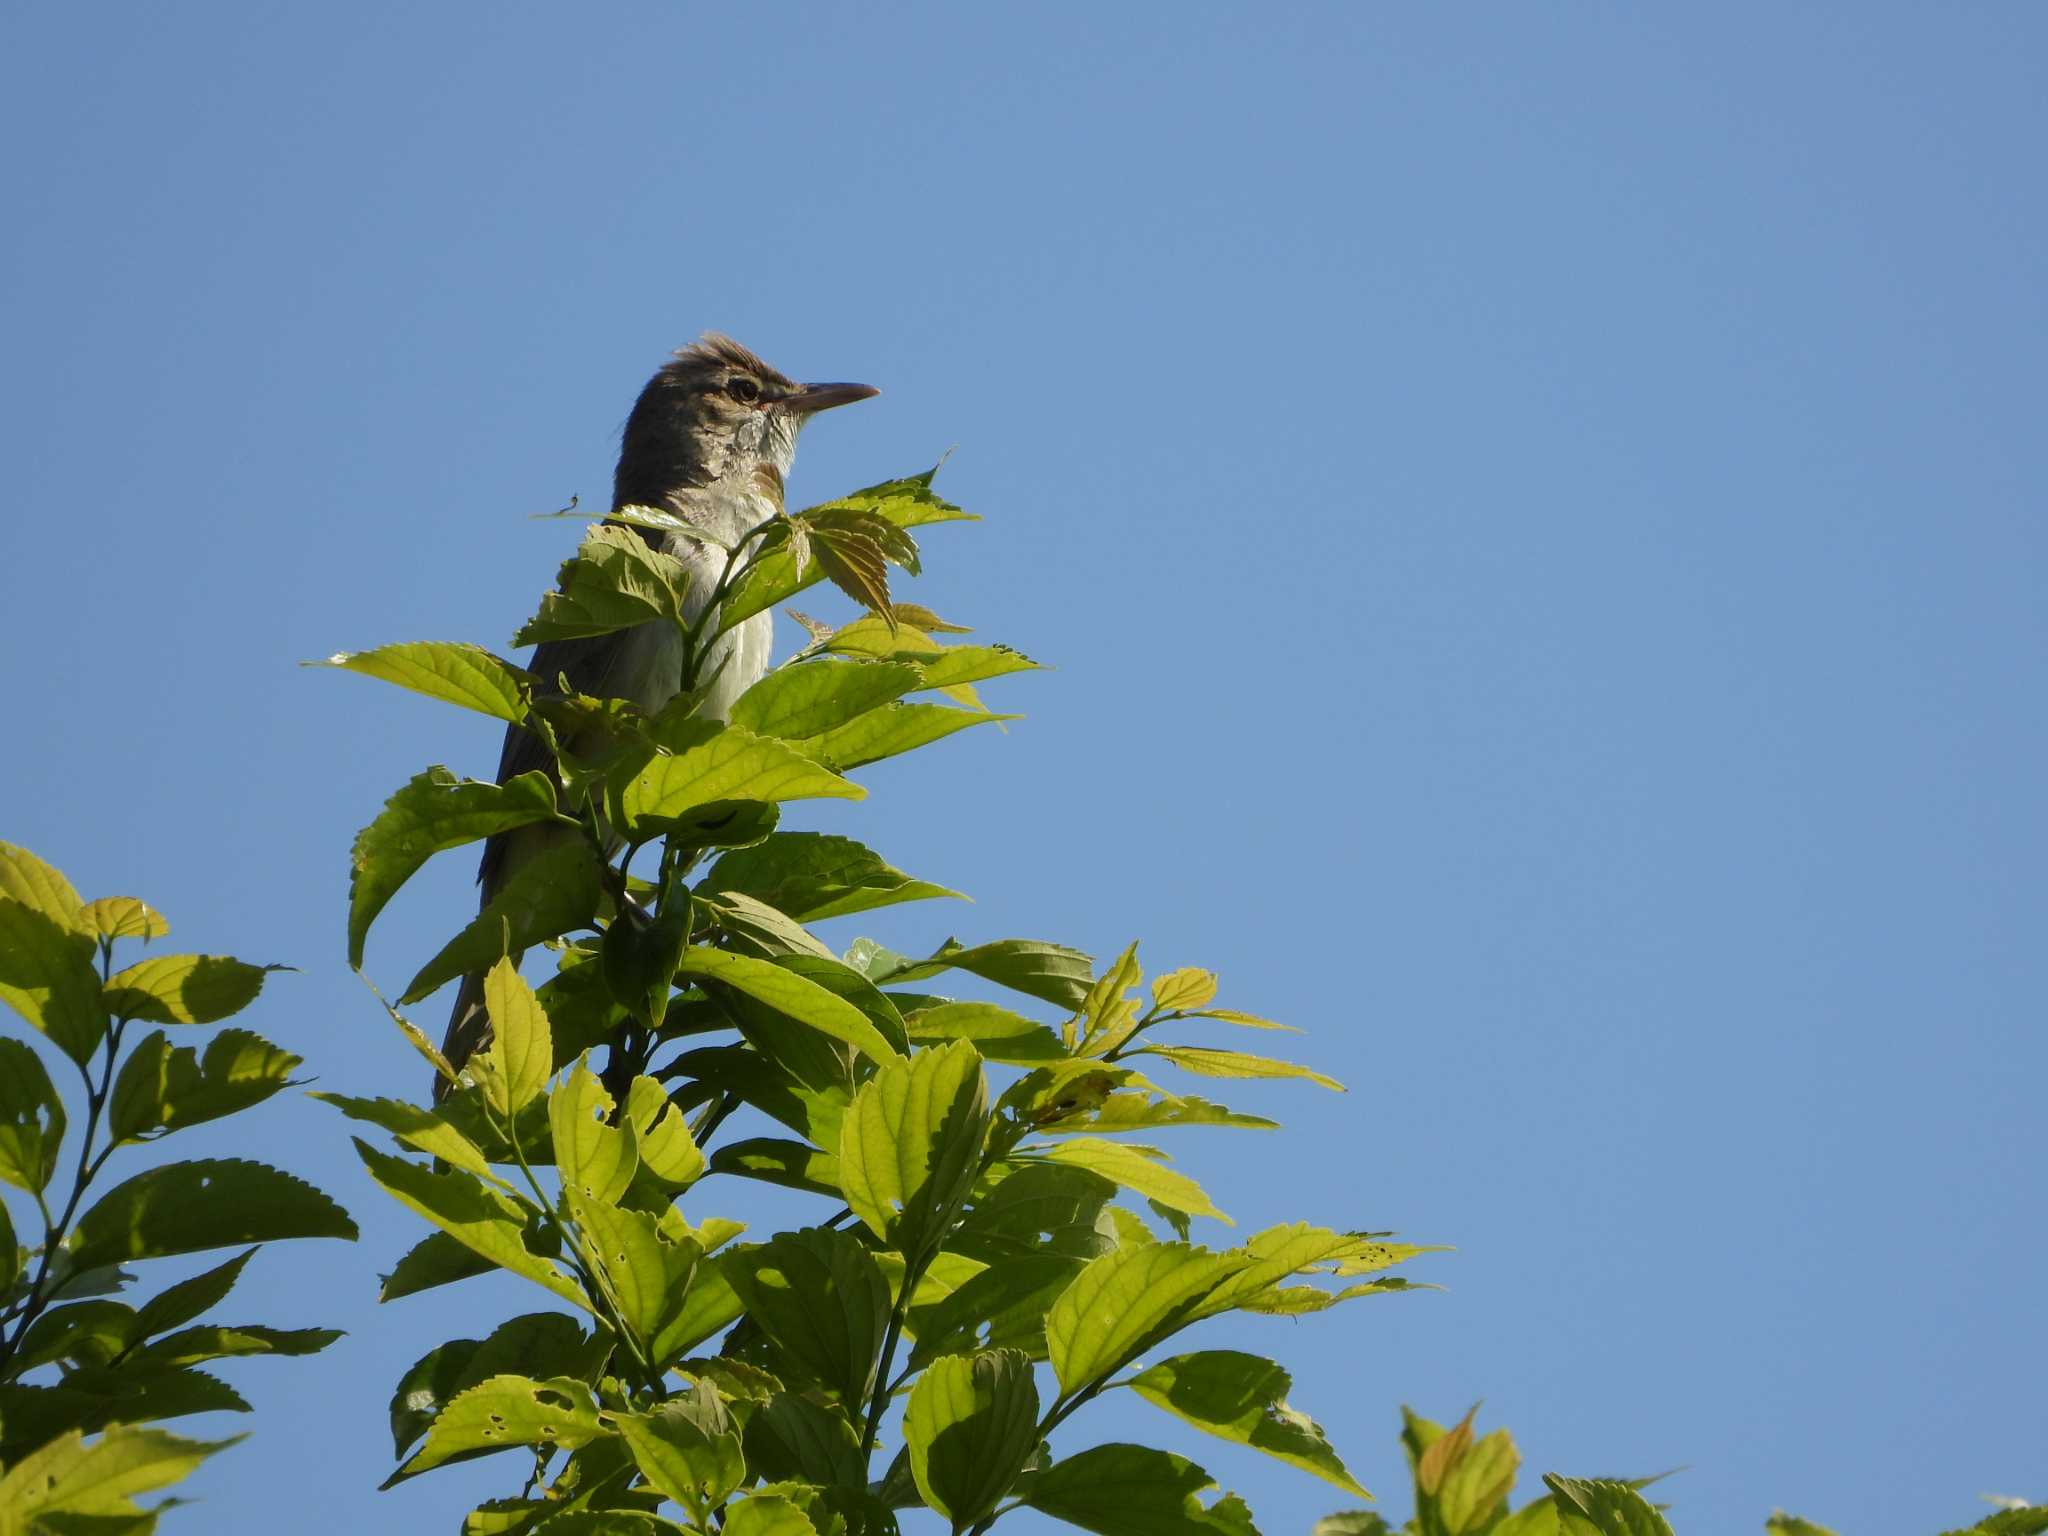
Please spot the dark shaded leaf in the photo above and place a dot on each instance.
(212, 1203)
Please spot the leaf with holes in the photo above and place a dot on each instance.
(31, 1118)
(504, 1411)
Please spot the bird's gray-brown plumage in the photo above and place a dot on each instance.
(710, 439)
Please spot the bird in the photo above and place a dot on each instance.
(710, 439)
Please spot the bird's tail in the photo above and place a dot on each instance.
(469, 1029)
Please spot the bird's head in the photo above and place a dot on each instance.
(717, 412)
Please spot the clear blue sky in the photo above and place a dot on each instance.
(1538, 513)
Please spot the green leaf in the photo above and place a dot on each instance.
(1612, 1509)
(971, 1425)
(46, 976)
(812, 876)
(762, 929)
(791, 1164)
(615, 580)
(1051, 973)
(1213, 1063)
(1183, 989)
(548, 1343)
(31, 1119)
(1127, 1301)
(661, 1136)
(794, 702)
(907, 503)
(1002, 1307)
(211, 1203)
(180, 1303)
(1352, 1522)
(1133, 1490)
(122, 917)
(891, 731)
(68, 1476)
(166, 1088)
(791, 1436)
(820, 1296)
(997, 1033)
(185, 989)
(425, 1130)
(1037, 1207)
(1782, 1524)
(1133, 1169)
(11, 1257)
(515, 1067)
(1138, 1112)
(596, 1159)
(1243, 1398)
(504, 1411)
(488, 1223)
(467, 675)
(711, 764)
(212, 1341)
(40, 887)
(92, 1397)
(687, 1448)
(645, 1263)
(767, 1514)
(551, 893)
(434, 812)
(1107, 1016)
(780, 987)
(911, 1142)
(1462, 1483)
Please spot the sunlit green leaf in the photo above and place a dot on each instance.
(1182, 989)
(971, 1424)
(1107, 1016)
(189, 1207)
(467, 675)
(891, 731)
(1050, 972)
(1133, 1169)
(795, 702)
(596, 1158)
(812, 876)
(998, 1033)
(46, 976)
(490, 1224)
(1140, 1112)
(163, 1087)
(644, 1263)
(31, 1119)
(70, 1477)
(661, 1136)
(122, 917)
(504, 1411)
(687, 1448)
(1125, 1302)
(185, 989)
(711, 764)
(557, 890)
(767, 1514)
(1358, 1522)
(1036, 1207)
(791, 1164)
(425, 1130)
(615, 580)
(40, 887)
(820, 1296)
(782, 988)
(1133, 1490)
(543, 1343)
(1213, 1063)
(1243, 1398)
(212, 1341)
(514, 1068)
(1610, 1508)
(1002, 1307)
(911, 1141)
(435, 811)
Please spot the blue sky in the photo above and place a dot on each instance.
(1537, 513)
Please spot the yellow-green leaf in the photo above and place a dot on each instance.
(515, 1067)
(1206, 1062)
(1134, 1169)
(46, 976)
(1187, 988)
(890, 731)
(31, 1119)
(123, 917)
(911, 1141)
(1243, 1398)
(40, 887)
(971, 1424)
(467, 675)
(687, 1448)
(185, 989)
(1125, 1302)
(712, 763)
(559, 1413)
(782, 989)
(595, 1158)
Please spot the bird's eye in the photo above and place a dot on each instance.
(743, 389)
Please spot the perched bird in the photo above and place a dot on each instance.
(710, 439)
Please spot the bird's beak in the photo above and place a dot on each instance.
(813, 398)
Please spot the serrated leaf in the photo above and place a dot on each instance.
(465, 675)
(812, 876)
(40, 887)
(687, 1448)
(711, 764)
(1107, 1016)
(910, 1144)
(1182, 989)
(1003, 1306)
(180, 1303)
(1206, 1062)
(999, 1034)
(790, 1436)
(1462, 1482)
(820, 1296)
(891, 731)
(767, 1514)
(71, 1477)
(488, 1223)
(46, 976)
(425, 1130)
(554, 892)
(772, 1160)
(1782, 1524)
(794, 702)
(1125, 1302)
(122, 917)
(1612, 1509)
(781, 987)
(544, 1343)
(661, 1136)
(1137, 1112)
(165, 1088)
(1038, 1207)
(1134, 1170)
(435, 811)
(504, 1411)
(31, 1118)
(614, 581)
(1247, 1020)
(1133, 1490)
(645, 1264)
(1352, 1522)
(192, 1206)
(1051, 973)
(971, 1425)
(185, 989)
(1243, 1398)
(213, 1341)
(515, 1067)
(596, 1159)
